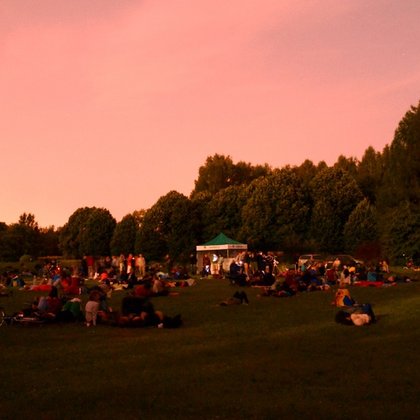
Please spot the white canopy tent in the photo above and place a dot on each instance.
(220, 245)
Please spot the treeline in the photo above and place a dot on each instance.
(369, 207)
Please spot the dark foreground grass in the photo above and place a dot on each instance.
(276, 358)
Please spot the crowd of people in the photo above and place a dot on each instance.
(67, 289)
(63, 302)
(259, 269)
(136, 311)
(309, 277)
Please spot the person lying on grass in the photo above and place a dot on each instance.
(137, 311)
(356, 315)
(153, 286)
(284, 289)
(238, 298)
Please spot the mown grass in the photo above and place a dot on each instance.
(276, 358)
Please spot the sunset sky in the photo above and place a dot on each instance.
(114, 103)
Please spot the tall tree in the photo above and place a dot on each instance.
(97, 233)
(22, 238)
(28, 219)
(124, 236)
(276, 214)
(70, 235)
(215, 174)
(88, 232)
(139, 216)
(361, 227)
(167, 228)
(220, 172)
(401, 232)
(369, 173)
(223, 212)
(335, 194)
(49, 241)
(347, 164)
(306, 171)
(402, 164)
(199, 203)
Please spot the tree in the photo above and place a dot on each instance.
(220, 172)
(69, 241)
(49, 241)
(97, 233)
(276, 213)
(369, 173)
(22, 238)
(168, 228)
(401, 232)
(335, 194)
(215, 175)
(244, 173)
(28, 219)
(88, 232)
(347, 164)
(139, 216)
(401, 179)
(124, 236)
(10, 249)
(361, 227)
(306, 171)
(28, 230)
(223, 212)
(200, 202)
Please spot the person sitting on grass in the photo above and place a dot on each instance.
(345, 278)
(343, 298)
(236, 274)
(265, 279)
(48, 307)
(71, 311)
(140, 312)
(159, 287)
(331, 276)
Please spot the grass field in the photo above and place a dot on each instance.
(275, 358)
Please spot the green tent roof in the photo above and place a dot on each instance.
(221, 239)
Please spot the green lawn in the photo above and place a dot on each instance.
(275, 358)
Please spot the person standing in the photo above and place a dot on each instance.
(92, 307)
(214, 264)
(193, 264)
(206, 265)
(141, 261)
(220, 262)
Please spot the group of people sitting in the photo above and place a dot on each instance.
(317, 277)
(288, 284)
(135, 311)
(52, 308)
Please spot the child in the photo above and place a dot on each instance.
(91, 308)
(343, 298)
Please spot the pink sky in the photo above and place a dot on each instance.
(114, 103)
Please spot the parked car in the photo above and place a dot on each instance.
(345, 259)
(309, 259)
